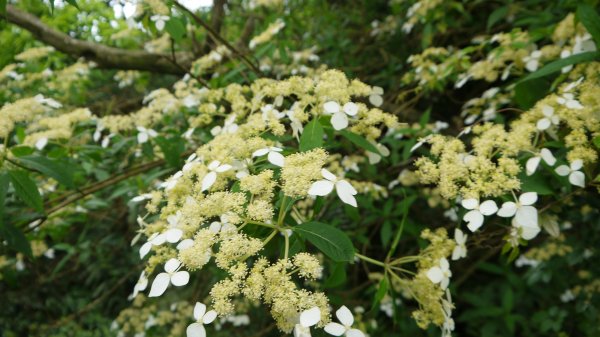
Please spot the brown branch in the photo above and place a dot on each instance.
(216, 19)
(215, 35)
(104, 56)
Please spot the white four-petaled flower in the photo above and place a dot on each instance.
(474, 216)
(576, 177)
(345, 317)
(568, 100)
(273, 155)
(344, 190)
(549, 118)
(145, 134)
(460, 248)
(141, 285)
(202, 317)
(533, 162)
(440, 274)
(171, 275)
(376, 97)
(214, 167)
(532, 61)
(159, 21)
(339, 118)
(523, 212)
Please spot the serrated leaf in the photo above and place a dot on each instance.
(312, 136)
(359, 141)
(51, 168)
(591, 20)
(330, 240)
(559, 64)
(26, 189)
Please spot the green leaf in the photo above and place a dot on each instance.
(330, 240)
(15, 239)
(52, 168)
(3, 7)
(381, 292)
(559, 64)
(359, 141)
(497, 15)
(4, 181)
(20, 151)
(26, 190)
(172, 148)
(176, 28)
(591, 20)
(529, 92)
(337, 277)
(596, 142)
(312, 136)
(73, 3)
(535, 183)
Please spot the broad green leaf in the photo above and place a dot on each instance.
(52, 168)
(330, 240)
(559, 64)
(529, 92)
(15, 239)
(26, 190)
(20, 151)
(73, 3)
(381, 292)
(176, 28)
(172, 148)
(535, 183)
(591, 20)
(359, 141)
(337, 276)
(312, 136)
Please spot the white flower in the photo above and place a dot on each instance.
(440, 274)
(189, 133)
(222, 226)
(159, 21)
(190, 162)
(475, 216)
(347, 319)
(447, 307)
(569, 101)
(145, 134)
(142, 197)
(375, 158)
(47, 101)
(576, 177)
(141, 285)
(162, 280)
(307, 319)
(532, 61)
(343, 188)
(526, 231)
(274, 156)
(376, 97)
(549, 118)
(41, 143)
(564, 54)
(339, 120)
(524, 214)
(214, 167)
(229, 126)
(202, 317)
(533, 162)
(460, 249)
(172, 181)
(171, 235)
(462, 80)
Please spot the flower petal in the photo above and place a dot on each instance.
(528, 198)
(543, 124)
(328, 175)
(185, 244)
(488, 207)
(145, 249)
(508, 209)
(209, 317)
(563, 170)
(354, 333)
(532, 165)
(331, 107)
(180, 278)
(276, 158)
(470, 203)
(339, 120)
(208, 180)
(321, 188)
(527, 216)
(335, 329)
(346, 192)
(196, 330)
(576, 165)
(351, 109)
(159, 285)
(577, 178)
(344, 316)
(548, 157)
(474, 219)
(310, 317)
(172, 265)
(223, 168)
(435, 274)
(376, 100)
(159, 240)
(260, 152)
(173, 235)
(199, 310)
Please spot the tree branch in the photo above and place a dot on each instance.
(104, 56)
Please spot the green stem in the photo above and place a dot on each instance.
(287, 245)
(370, 260)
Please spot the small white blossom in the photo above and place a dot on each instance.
(576, 177)
(568, 100)
(476, 212)
(440, 274)
(141, 285)
(460, 249)
(549, 118)
(376, 97)
(202, 317)
(214, 167)
(533, 162)
(145, 134)
(344, 189)
(339, 118)
(273, 155)
(307, 319)
(159, 21)
(171, 275)
(532, 61)
(523, 212)
(344, 315)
